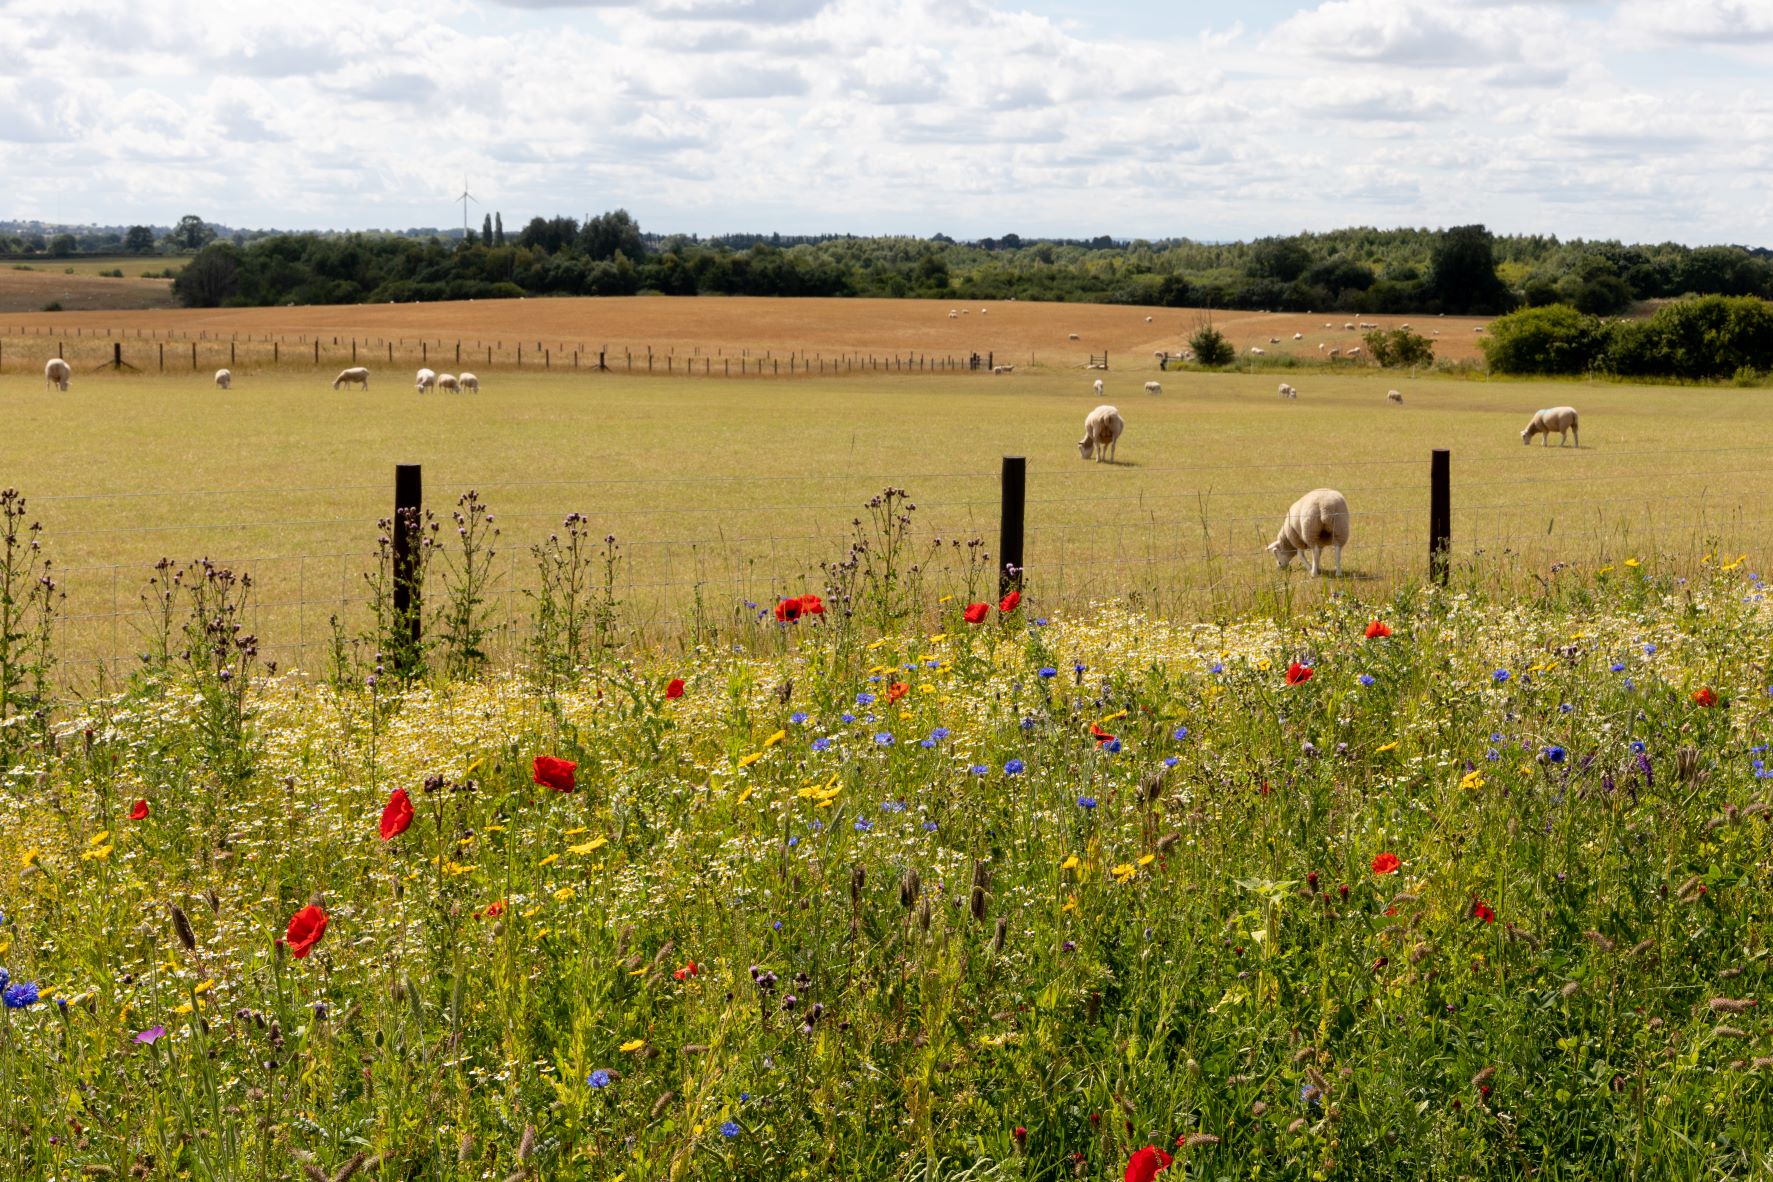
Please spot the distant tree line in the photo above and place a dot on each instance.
(1698, 339)
(1464, 269)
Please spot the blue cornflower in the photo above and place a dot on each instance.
(17, 997)
(777, 926)
(892, 806)
(863, 824)
(598, 1078)
(1028, 724)
(798, 717)
(1078, 667)
(884, 739)
(821, 744)
(1630, 684)
(793, 841)
(979, 769)
(1171, 760)
(1616, 667)
(848, 717)
(1112, 746)
(1048, 671)
(929, 826)
(1365, 679)
(926, 744)
(1179, 733)
(1555, 754)
(939, 733)
(1495, 736)
(1014, 767)
(1493, 755)
(1649, 650)
(1040, 621)
(1501, 675)
(864, 699)
(1565, 708)
(729, 1130)
(1637, 747)
(1086, 802)
(1218, 667)
(5, 978)
(818, 826)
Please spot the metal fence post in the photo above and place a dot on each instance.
(408, 524)
(1440, 515)
(1010, 522)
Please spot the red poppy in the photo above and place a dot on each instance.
(897, 690)
(1377, 629)
(1010, 602)
(555, 773)
(812, 605)
(688, 970)
(1100, 735)
(975, 613)
(1297, 673)
(1386, 863)
(1481, 910)
(139, 812)
(1147, 1164)
(305, 929)
(396, 815)
(788, 610)
(674, 690)
(1704, 697)
(495, 909)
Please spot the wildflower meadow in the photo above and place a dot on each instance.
(918, 882)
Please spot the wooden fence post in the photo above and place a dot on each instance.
(162, 356)
(230, 352)
(1010, 523)
(408, 527)
(193, 355)
(1440, 515)
(316, 350)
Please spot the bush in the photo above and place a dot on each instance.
(1210, 347)
(1400, 348)
(1710, 337)
(53, 306)
(1553, 339)
(1603, 296)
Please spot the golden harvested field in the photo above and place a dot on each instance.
(27, 291)
(1015, 332)
(723, 492)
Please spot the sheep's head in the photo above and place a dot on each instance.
(1283, 552)
(1527, 435)
(1086, 447)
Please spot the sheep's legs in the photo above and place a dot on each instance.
(1338, 562)
(1316, 555)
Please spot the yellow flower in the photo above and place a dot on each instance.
(1124, 871)
(925, 688)
(549, 860)
(874, 644)
(1473, 780)
(1070, 903)
(1263, 664)
(564, 893)
(454, 868)
(182, 1008)
(1148, 859)
(575, 831)
(633, 1044)
(1605, 569)
(946, 599)
(96, 855)
(745, 795)
(532, 913)
(938, 638)
(30, 857)
(1115, 717)
(494, 828)
(774, 739)
(750, 759)
(1384, 749)
(595, 843)
(1069, 863)
(100, 837)
(1633, 563)
(204, 986)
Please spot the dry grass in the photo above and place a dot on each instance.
(736, 490)
(85, 291)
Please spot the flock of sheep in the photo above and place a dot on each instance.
(57, 375)
(1319, 519)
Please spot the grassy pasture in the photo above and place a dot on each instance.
(736, 490)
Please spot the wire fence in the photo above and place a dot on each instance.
(28, 348)
(712, 569)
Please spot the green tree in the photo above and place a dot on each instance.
(610, 234)
(1400, 348)
(139, 240)
(211, 277)
(62, 245)
(498, 229)
(191, 233)
(1462, 274)
(1280, 259)
(1554, 339)
(1603, 296)
(1210, 346)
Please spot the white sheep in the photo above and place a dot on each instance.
(224, 379)
(1394, 396)
(1298, 336)
(1317, 519)
(1479, 329)
(1003, 369)
(1148, 320)
(1287, 391)
(1258, 351)
(1335, 353)
(1354, 352)
(1102, 428)
(1561, 419)
(1321, 346)
(984, 311)
(1274, 340)
(953, 315)
(1349, 327)
(469, 383)
(426, 379)
(1071, 336)
(56, 373)
(356, 374)
(1098, 387)
(447, 381)
(1154, 388)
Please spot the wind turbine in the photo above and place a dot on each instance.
(464, 199)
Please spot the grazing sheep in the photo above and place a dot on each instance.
(1321, 346)
(1404, 327)
(1148, 320)
(1102, 430)
(953, 315)
(1153, 388)
(427, 378)
(1287, 391)
(1335, 353)
(1274, 340)
(1098, 387)
(469, 383)
(1561, 419)
(1479, 328)
(1349, 327)
(224, 379)
(448, 381)
(1327, 324)
(1317, 519)
(1258, 351)
(56, 373)
(1298, 336)
(1353, 352)
(1394, 396)
(356, 374)
(1071, 336)
(984, 311)
(1003, 369)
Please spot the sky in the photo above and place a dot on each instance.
(1644, 120)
